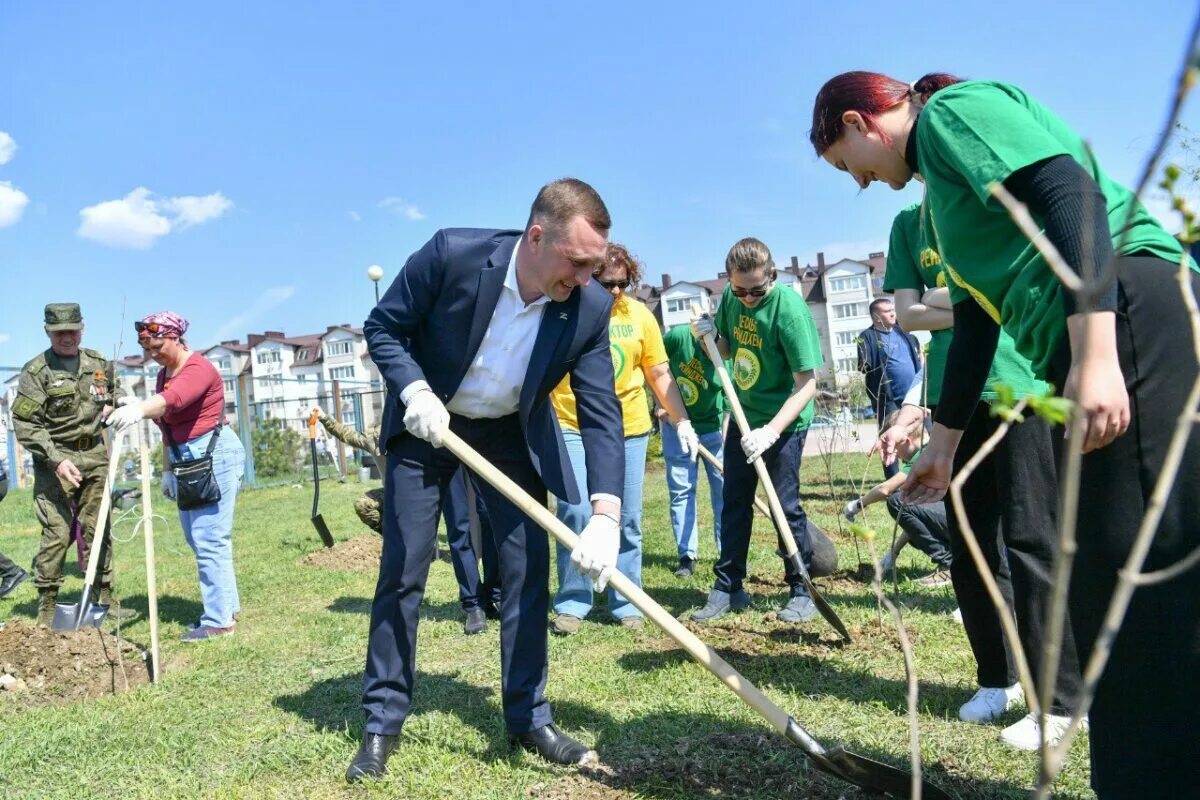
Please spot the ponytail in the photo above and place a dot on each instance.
(868, 93)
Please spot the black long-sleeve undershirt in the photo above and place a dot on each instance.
(967, 364)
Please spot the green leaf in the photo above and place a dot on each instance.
(863, 532)
(1173, 172)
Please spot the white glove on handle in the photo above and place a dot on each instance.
(426, 417)
(596, 554)
(126, 416)
(853, 508)
(689, 442)
(703, 326)
(169, 487)
(758, 441)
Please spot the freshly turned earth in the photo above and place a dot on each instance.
(47, 667)
(360, 554)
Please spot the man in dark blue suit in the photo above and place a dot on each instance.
(473, 334)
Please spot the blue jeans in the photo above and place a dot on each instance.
(209, 530)
(682, 473)
(574, 595)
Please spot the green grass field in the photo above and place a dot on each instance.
(274, 711)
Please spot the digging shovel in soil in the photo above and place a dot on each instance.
(859, 770)
(318, 521)
(71, 616)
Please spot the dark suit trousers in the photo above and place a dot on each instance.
(418, 476)
(472, 592)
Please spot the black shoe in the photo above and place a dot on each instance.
(553, 745)
(476, 622)
(372, 756)
(12, 581)
(686, 568)
(491, 610)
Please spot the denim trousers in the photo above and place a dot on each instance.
(682, 485)
(574, 595)
(209, 530)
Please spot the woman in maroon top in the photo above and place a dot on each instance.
(189, 406)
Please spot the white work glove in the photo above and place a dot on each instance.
(758, 441)
(126, 416)
(853, 508)
(689, 442)
(596, 554)
(169, 488)
(127, 399)
(426, 417)
(703, 326)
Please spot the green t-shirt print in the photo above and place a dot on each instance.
(696, 377)
(767, 344)
(972, 134)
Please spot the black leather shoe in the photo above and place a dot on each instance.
(372, 756)
(12, 581)
(476, 622)
(553, 745)
(491, 611)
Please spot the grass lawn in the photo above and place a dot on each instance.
(274, 711)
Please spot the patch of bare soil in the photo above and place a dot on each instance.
(360, 554)
(39, 666)
(732, 766)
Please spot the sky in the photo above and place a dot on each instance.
(244, 163)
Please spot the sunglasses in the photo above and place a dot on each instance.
(610, 285)
(152, 328)
(757, 291)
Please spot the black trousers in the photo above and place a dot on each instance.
(7, 567)
(1145, 722)
(1011, 501)
(473, 591)
(417, 479)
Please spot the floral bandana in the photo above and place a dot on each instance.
(161, 325)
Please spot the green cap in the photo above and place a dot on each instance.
(63, 317)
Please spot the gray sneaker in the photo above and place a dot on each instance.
(798, 609)
(721, 603)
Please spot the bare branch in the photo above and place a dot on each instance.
(1024, 221)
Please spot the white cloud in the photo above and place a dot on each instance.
(4, 338)
(235, 326)
(402, 207)
(8, 148)
(139, 219)
(12, 204)
(354, 215)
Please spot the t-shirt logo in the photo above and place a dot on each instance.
(746, 369)
(688, 391)
(618, 359)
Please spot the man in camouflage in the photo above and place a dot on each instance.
(479, 599)
(63, 397)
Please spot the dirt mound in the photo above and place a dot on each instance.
(45, 667)
(360, 554)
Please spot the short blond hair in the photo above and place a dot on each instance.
(749, 255)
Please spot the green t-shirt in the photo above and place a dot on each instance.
(913, 264)
(697, 379)
(973, 134)
(767, 344)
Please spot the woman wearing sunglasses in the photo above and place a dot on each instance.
(639, 357)
(188, 405)
(770, 335)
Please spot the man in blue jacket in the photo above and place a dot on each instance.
(889, 359)
(472, 335)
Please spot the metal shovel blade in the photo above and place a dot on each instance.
(866, 773)
(818, 599)
(317, 520)
(73, 616)
(323, 530)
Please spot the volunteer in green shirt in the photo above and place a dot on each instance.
(962, 137)
(768, 333)
(700, 389)
(1011, 500)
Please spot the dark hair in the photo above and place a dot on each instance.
(868, 93)
(878, 301)
(560, 201)
(748, 255)
(618, 255)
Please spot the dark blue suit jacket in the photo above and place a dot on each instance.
(429, 327)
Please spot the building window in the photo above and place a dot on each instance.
(302, 354)
(847, 365)
(230, 387)
(342, 373)
(845, 338)
(850, 284)
(339, 348)
(302, 378)
(676, 305)
(848, 310)
(268, 357)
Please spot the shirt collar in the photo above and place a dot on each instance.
(510, 278)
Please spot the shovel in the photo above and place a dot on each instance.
(71, 616)
(782, 528)
(317, 520)
(859, 770)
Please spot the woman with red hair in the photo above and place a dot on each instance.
(1117, 355)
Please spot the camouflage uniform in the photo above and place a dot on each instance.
(57, 417)
(368, 506)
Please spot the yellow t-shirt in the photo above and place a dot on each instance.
(636, 344)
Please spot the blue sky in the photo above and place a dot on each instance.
(284, 147)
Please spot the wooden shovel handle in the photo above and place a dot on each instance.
(114, 457)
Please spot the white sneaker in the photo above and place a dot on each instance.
(888, 561)
(1025, 735)
(957, 614)
(988, 704)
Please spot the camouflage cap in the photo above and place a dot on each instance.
(63, 317)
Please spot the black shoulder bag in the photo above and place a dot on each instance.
(195, 484)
